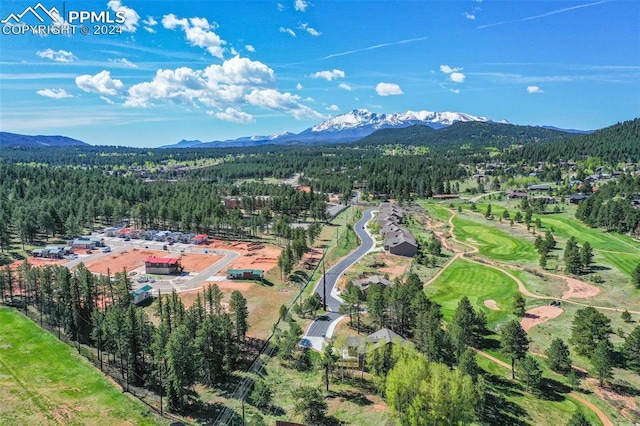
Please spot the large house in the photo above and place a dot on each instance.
(397, 239)
(162, 265)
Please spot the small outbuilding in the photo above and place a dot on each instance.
(142, 294)
(245, 274)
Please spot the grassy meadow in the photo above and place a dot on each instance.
(45, 382)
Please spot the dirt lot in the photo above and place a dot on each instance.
(253, 256)
(116, 262)
(539, 315)
(395, 266)
(198, 262)
(134, 258)
(38, 261)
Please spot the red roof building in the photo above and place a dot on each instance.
(162, 265)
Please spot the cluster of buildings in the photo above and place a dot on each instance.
(397, 239)
(59, 252)
(53, 252)
(155, 235)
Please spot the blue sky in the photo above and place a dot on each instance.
(218, 70)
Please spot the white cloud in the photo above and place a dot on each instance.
(107, 100)
(198, 32)
(149, 23)
(54, 93)
(299, 86)
(131, 17)
(234, 116)
(448, 70)
(345, 86)
(124, 61)
(300, 5)
(457, 77)
(250, 48)
(288, 31)
(57, 55)
(272, 99)
(333, 107)
(388, 89)
(328, 75)
(235, 83)
(312, 31)
(280, 6)
(455, 91)
(101, 83)
(469, 16)
(534, 89)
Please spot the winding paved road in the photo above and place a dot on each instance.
(323, 325)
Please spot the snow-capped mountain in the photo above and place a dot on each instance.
(362, 118)
(351, 126)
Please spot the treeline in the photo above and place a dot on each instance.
(619, 143)
(202, 344)
(611, 206)
(62, 201)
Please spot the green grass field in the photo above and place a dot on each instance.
(565, 227)
(478, 283)
(519, 406)
(494, 243)
(45, 382)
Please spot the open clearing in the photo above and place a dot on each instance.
(263, 302)
(45, 382)
(478, 283)
(134, 259)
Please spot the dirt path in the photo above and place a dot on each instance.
(497, 266)
(601, 415)
(577, 289)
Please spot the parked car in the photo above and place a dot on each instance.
(165, 248)
(143, 280)
(106, 249)
(127, 239)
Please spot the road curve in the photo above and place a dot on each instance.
(320, 326)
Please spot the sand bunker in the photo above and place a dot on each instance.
(539, 315)
(491, 304)
(579, 289)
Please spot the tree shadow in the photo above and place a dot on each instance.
(207, 413)
(625, 388)
(500, 411)
(553, 390)
(357, 398)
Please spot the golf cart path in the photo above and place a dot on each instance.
(601, 415)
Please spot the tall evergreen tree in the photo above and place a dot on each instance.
(240, 312)
(558, 356)
(514, 342)
(602, 360)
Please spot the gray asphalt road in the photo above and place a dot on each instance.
(320, 326)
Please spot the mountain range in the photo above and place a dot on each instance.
(348, 127)
(15, 140)
(344, 128)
